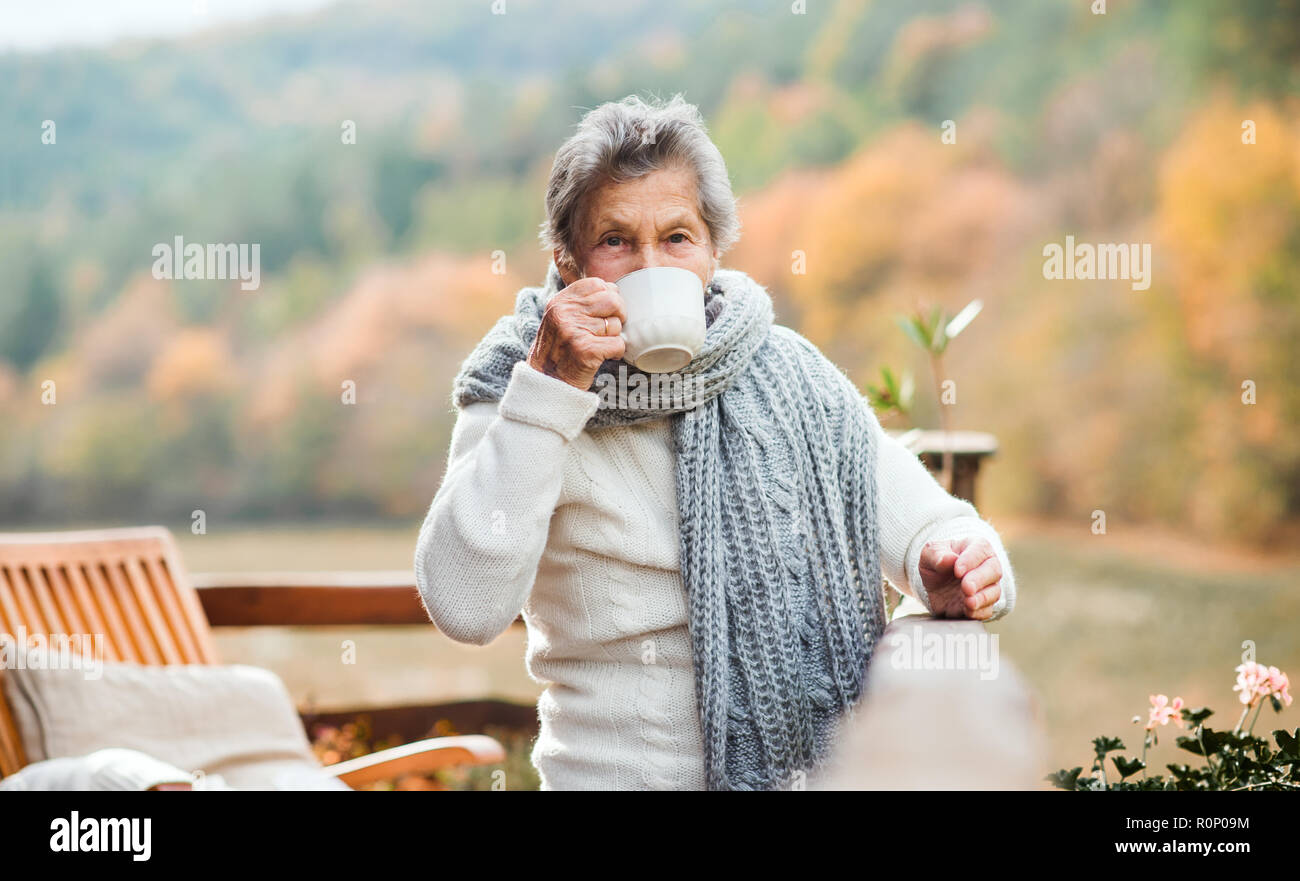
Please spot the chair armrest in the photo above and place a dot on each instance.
(417, 758)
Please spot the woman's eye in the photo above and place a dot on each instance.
(614, 241)
(677, 238)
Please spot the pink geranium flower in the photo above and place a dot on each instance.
(1278, 684)
(1163, 711)
(1250, 678)
(1256, 681)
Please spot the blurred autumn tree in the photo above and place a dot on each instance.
(889, 156)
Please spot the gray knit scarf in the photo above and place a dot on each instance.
(776, 491)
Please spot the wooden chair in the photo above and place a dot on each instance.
(130, 586)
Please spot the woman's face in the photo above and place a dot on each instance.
(651, 221)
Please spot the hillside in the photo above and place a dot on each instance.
(376, 255)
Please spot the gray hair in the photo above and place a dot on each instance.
(624, 140)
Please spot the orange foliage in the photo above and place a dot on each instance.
(905, 219)
(926, 36)
(194, 362)
(1228, 215)
(1226, 208)
(793, 103)
(120, 345)
(455, 299)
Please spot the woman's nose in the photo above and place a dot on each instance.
(648, 255)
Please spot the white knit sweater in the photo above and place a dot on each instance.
(578, 530)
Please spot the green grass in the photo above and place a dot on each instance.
(1096, 631)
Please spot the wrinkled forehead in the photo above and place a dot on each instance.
(668, 197)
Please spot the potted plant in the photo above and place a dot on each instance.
(932, 331)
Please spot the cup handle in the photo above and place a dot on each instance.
(627, 349)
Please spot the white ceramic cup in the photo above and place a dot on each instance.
(665, 317)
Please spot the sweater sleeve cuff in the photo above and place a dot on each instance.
(534, 398)
(912, 566)
(959, 527)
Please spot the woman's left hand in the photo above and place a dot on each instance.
(962, 577)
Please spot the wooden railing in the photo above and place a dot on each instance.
(253, 599)
(962, 723)
(250, 599)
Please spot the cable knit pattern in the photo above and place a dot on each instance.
(784, 520)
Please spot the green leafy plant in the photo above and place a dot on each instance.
(932, 331)
(1235, 760)
(893, 395)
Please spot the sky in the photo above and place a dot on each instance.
(35, 25)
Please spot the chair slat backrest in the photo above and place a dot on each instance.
(125, 588)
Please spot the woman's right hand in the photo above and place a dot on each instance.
(575, 338)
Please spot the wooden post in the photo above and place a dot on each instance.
(969, 450)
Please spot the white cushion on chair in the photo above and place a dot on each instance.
(235, 721)
(105, 770)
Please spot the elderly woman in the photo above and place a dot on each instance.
(701, 584)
